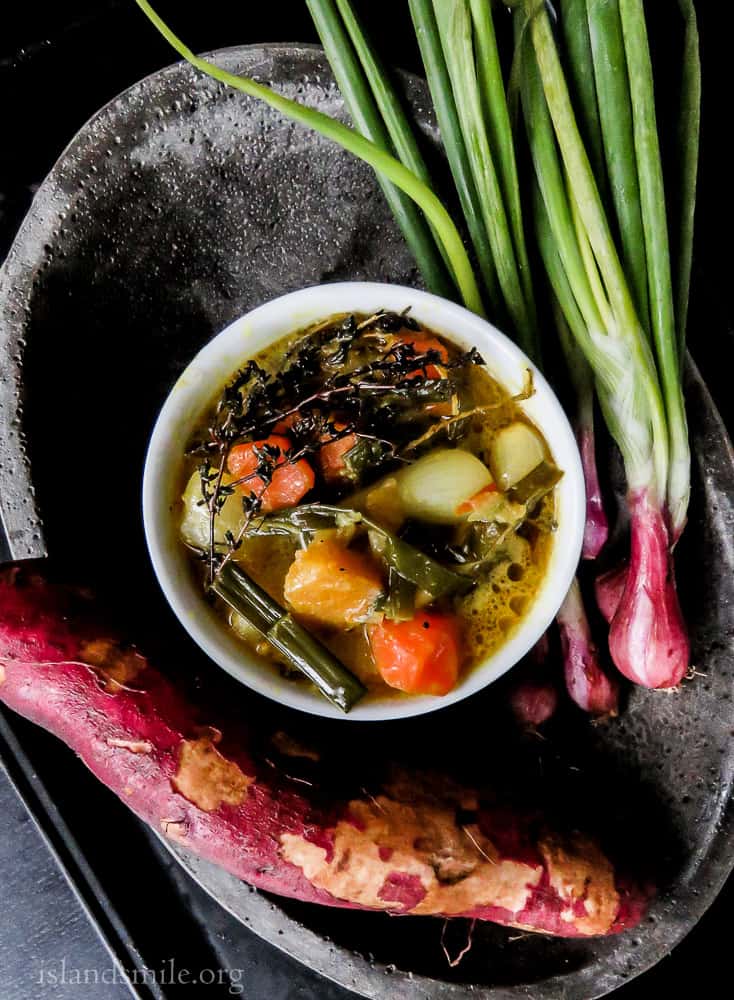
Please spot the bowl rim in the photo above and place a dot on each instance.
(245, 337)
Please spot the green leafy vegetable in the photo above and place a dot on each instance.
(489, 529)
(365, 455)
(399, 603)
(537, 484)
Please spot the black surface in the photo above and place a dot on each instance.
(55, 120)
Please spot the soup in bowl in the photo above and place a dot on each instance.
(362, 498)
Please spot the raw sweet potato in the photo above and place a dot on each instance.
(416, 846)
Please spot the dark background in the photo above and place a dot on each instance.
(59, 62)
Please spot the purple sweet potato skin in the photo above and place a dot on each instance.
(402, 850)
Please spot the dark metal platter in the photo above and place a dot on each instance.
(177, 208)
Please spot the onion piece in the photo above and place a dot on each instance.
(648, 639)
(609, 588)
(533, 701)
(587, 683)
(194, 527)
(433, 488)
(515, 451)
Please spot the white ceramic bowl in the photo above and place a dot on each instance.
(247, 336)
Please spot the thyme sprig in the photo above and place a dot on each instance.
(352, 378)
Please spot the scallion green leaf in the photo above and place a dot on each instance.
(575, 28)
(689, 131)
(496, 114)
(439, 83)
(453, 19)
(615, 113)
(628, 367)
(365, 113)
(654, 218)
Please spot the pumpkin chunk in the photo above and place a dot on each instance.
(329, 584)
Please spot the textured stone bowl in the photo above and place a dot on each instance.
(179, 207)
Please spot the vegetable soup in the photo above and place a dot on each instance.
(366, 502)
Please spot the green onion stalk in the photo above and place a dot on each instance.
(614, 103)
(447, 116)
(610, 586)
(689, 133)
(465, 28)
(647, 638)
(376, 113)
(594, 54)
(596, 530)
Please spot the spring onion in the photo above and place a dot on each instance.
(647, 637)
(502, 143)
(660, 282)
(618, 352)
(596, 530)
(586, 682)
(453, 19)
(367, 108)
(615, 116)
(575, 28)
(429, 43)
(386, 98)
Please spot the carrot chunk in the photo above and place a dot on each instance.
(476, 501)
(329, 584)
(422, 345)
(420, 656)
(290, 481)
(331, 454)
(286, 423)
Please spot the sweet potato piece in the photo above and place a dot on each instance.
(410, 848)
(329, 584)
